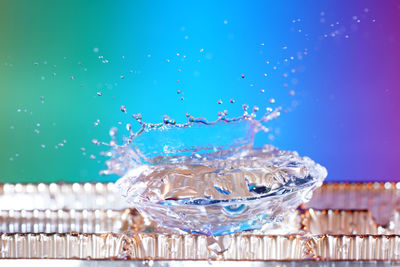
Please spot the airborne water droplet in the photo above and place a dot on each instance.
(123, 108)
(99, 93)
(219, 102)
(242, 76)
(232, 100)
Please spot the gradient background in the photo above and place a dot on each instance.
(345, 73)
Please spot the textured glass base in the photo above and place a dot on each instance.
(90, 221)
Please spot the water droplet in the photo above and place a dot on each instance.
(219, 101)
(97, 122)
(43, 146)
(36, 63)
(262, 90)
(99, 93)
(168, 120)
(292, 92)
(201, 50)
(36, 131)
(182, 98)
(178, 92)
(122, 76)
(232, 100)
(83, 149)
(95, 142)
(137, 116)
(72, 78)
(92, 156)
(265, 74)
(123, 108)
(95, 50)
(245, 107)
(128, 126)
(113, 132)
(168, 60)
(272, 101)
(242, 76)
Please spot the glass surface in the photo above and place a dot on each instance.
(89, 221)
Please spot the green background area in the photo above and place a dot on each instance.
(61, 39)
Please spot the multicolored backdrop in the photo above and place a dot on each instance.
(66, 67)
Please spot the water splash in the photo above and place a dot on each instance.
(207, 177)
